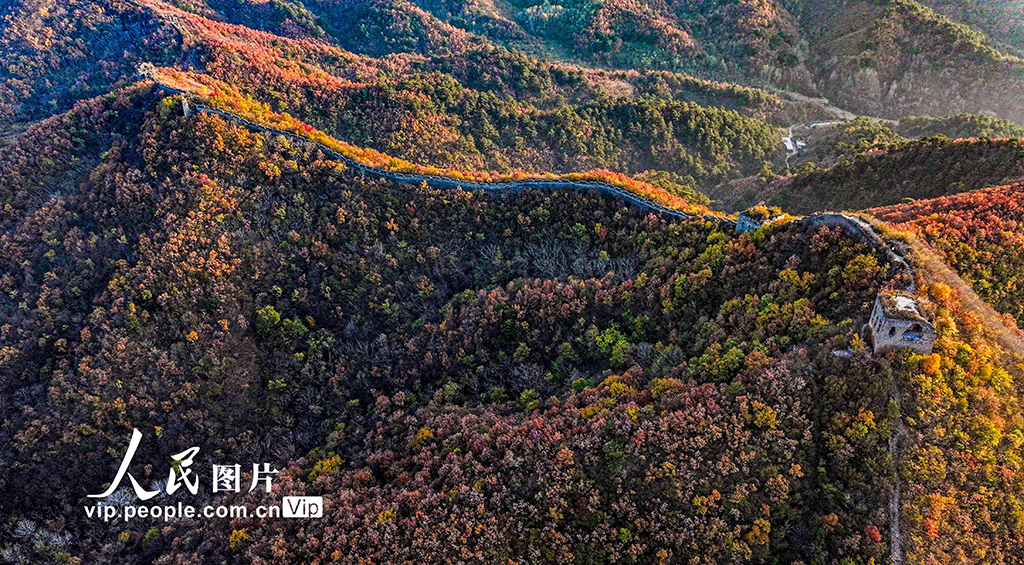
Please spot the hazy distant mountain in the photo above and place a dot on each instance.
(1002, 20)
(897, 58)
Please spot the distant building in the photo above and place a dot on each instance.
(896, 323)
(753, 218)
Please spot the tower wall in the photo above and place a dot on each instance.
(889, 333)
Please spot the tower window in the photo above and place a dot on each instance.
(913, 334)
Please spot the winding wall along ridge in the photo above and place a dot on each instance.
(865, 233)
(853, 226)
(434, 181)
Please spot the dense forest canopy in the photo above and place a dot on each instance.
(978, 234)
(271, 283)
(203, 237)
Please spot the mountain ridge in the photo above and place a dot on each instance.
(349, 239)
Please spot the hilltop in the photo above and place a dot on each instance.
(245, 292)
(460, 268)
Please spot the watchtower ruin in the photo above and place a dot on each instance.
(897, 323)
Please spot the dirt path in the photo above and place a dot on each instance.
(895, 533)
(936, 270)
(822, 103)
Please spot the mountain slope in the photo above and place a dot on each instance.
(886, 58)
(978, 234)
(1002, 20)
(925, 168)
(386, 343)
(525, 114)
(513, 376)
(54, 53)
(895, 58)
(958, 127)
(254, 299)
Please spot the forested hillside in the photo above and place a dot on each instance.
(963, 405)
(886, 58)
(1002, 20)
(244, 226)
(884, 174)
(248, 297)
(960, 126)
(890, 59)
(495, 110)
(893, 58)
(978, 234)
(390, 345)
(55, 53)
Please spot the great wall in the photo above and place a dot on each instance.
(853, 226)
(435, 181)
